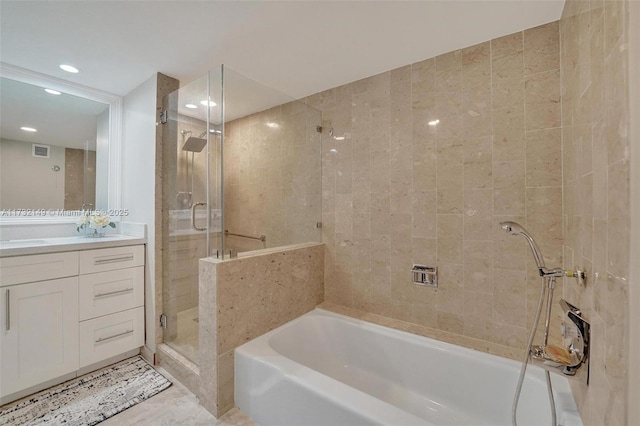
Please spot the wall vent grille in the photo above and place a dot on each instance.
(40, 150)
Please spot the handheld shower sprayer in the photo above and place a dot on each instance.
(578, 349)
(514, 228)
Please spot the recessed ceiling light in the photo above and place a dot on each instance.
(52, 92)
(273, 125)
(208, 103)
(191, 106)
(333, 150)
(339, 138)
(69, 68)
(434, 122)
(28, 129)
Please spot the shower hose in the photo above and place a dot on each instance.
(525, 362)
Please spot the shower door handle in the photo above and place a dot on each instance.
(193, 216)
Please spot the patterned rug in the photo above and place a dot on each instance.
(89, 399)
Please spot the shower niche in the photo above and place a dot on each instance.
(241, 171)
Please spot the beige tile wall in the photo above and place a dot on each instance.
(595, 109)
(398, 191)
(77, 192)
(272, 177)
(243, 298)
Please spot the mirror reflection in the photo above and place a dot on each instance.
(53, 149)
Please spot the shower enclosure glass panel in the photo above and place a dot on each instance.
(241, 171)
(214, 172)
(191, 204)
(272, 167)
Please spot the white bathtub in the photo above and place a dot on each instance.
(329, 369)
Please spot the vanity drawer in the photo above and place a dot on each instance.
(37, 267)
(111, 335)
(108, 259)
(108, 292)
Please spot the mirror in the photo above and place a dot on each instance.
(58, 148)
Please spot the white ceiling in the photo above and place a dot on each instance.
(296, 47)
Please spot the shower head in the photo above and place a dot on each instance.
(514, 228)
(194, 144)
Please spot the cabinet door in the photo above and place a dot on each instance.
(39, 336)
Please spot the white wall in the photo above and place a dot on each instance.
(138, 180)
(28, 182)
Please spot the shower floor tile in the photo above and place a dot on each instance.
(187, 342)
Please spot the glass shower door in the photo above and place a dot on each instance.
(190, 209)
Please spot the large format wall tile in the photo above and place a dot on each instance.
(531, 127)
(595, 114)
(398, 190)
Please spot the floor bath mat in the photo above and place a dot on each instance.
(89, 399)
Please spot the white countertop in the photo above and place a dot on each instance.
(55, 245)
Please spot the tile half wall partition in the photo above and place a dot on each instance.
(243, 298)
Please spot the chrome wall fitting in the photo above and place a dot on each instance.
(425, 275)
(579, 275)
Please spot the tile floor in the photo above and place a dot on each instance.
(176, 406)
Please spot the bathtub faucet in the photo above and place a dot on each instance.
(574, 353)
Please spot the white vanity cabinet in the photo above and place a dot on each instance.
(63, 312)
(39, 337)
(111, 302)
